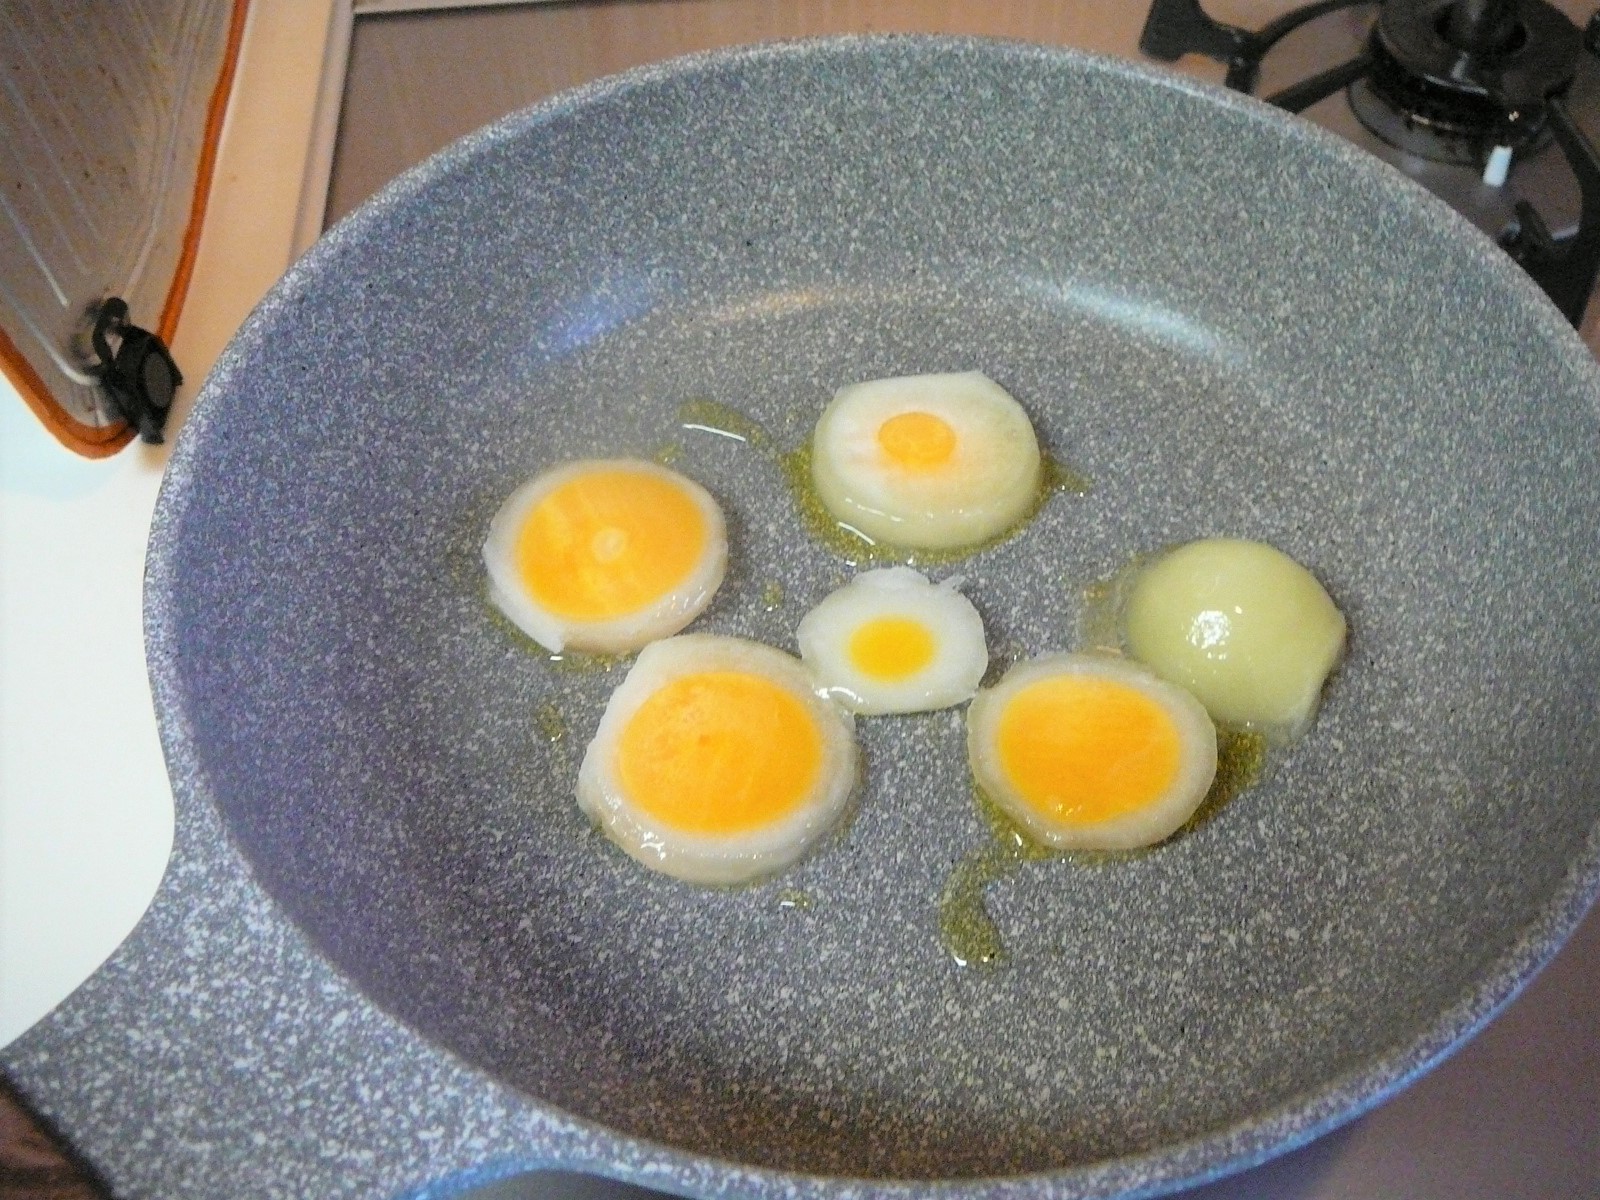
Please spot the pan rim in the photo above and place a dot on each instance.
(1213, 1155)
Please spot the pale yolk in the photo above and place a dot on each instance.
(722, 752)
(891, 647)
(1080, 750)
(608, 543)
(917, 441)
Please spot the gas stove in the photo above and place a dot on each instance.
(1493, 105)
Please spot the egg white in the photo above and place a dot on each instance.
(626, 632)
(959, 660)
(990, 484)
(1144, 826)
(703, 858)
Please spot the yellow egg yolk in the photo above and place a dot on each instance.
(608, 543)
(1080, 750)
(891, 647)
(917, 441)
(721, 752)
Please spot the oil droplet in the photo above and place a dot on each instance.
(966, 928)
(1005, 832)
(1099, 624)
(1100, 618)
(771, 596)
(1058, 476)
(668, 453)
(708, 416)
(568, 661)
(551, 724)
(505, 624)
(856, 548)
(794, 898)
(574, 662)
(1241, 761)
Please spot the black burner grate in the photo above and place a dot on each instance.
(1477, 84)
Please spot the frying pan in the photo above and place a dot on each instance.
(1229, 322)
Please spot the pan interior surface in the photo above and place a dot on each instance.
(1224, 321)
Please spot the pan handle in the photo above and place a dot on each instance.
(1178, 27)
(517, 1180)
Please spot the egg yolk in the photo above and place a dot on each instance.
(609, 542)
(1080, 750)
(721, 752)
(917, 441)
(891, 647)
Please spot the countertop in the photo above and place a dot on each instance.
(87, 811)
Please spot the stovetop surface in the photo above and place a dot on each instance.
(396, 112)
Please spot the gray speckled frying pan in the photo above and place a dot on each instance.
(1230, 322)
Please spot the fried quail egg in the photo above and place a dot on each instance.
(926, 461)
(1091, 752)
(1240, 624)
(891, 642)
(716, 760)
(603, 556)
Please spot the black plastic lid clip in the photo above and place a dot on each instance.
(140, 378)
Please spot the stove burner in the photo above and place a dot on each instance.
(1475, 85)
(1450, 80)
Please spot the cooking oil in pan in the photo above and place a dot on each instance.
(967, 929)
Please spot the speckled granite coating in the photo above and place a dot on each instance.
(1229, 321)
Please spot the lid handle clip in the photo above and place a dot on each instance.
(139, 377)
